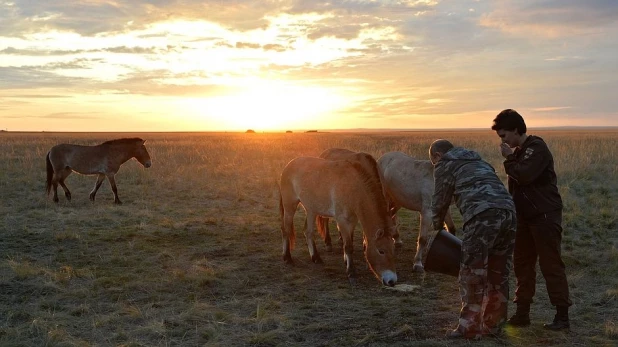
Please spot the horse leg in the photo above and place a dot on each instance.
(287, 232)
(346, 230)
(97, 185)
(309, 229)
(421, 244)
(112, 182)
(327, 240)
(54, 183)
(396, 236)
(65, 174)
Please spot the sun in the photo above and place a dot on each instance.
(271, 106)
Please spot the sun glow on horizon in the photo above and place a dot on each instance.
(270, 106)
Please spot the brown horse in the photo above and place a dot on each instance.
(344, 191)
(103, 160)
(409, 184)
(346, 154)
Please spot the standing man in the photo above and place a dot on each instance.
(488, 237)
(532, 183)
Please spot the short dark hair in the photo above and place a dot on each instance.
(510, 120)
(440, 146)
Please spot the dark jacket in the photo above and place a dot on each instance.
(532, 180)
(473, 182)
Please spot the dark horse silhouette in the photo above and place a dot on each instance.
(103, 160)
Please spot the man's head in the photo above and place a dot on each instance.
(510, 127)
(437, 150)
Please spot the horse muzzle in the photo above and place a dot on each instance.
(389, 278)
(147, 164)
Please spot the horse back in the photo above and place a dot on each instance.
(408, 181)
(324, 187)
(337, 154)
(81, 159)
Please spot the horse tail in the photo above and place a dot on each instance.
(50, 173)
(321, 225)
(292, 235)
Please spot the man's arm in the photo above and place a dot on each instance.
(530, 164)
(444, 184)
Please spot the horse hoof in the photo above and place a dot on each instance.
(418, 268)
(288, 259)
(317, 260)
(352, 281)
(329, 248)
(118, 202)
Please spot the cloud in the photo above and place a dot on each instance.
(64, 116)
(36, 96)
(551, 109)
(553, 18)
(72, 115)
(33, 77)
(248, 45)
(391, 57)
(134, 50)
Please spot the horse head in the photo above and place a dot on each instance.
(380, 254)
(142, 155)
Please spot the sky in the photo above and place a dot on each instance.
(270, 65)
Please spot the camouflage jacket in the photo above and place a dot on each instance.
(473, 183)
(532, 179)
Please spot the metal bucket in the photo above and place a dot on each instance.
(443, 254)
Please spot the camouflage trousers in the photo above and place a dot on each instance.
(487, 257)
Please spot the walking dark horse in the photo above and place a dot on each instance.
(344, 191)
(103, 160)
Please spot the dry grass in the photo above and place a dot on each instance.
(193, 257)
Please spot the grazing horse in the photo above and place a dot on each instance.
(409, 184)
(344, 154)
(103, 160)
(344, 191)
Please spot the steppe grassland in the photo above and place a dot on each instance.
(193, 257)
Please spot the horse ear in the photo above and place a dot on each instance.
(143, 142)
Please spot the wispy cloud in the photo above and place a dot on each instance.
(72, 115)
(550, 109)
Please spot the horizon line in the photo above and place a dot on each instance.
(568, 127)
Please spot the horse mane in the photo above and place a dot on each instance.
(370, 176)
(123, 141)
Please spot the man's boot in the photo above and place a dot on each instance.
(561, 319)
(521, 318)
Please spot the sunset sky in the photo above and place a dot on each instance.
(134, 65)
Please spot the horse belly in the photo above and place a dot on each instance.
(404, 193)
(316, 203)
(88, 165)
(412, 201)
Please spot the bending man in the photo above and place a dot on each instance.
(488, 236)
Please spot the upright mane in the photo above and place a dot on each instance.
(123, 141)
(370, 177)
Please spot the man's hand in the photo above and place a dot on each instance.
(505, 150)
